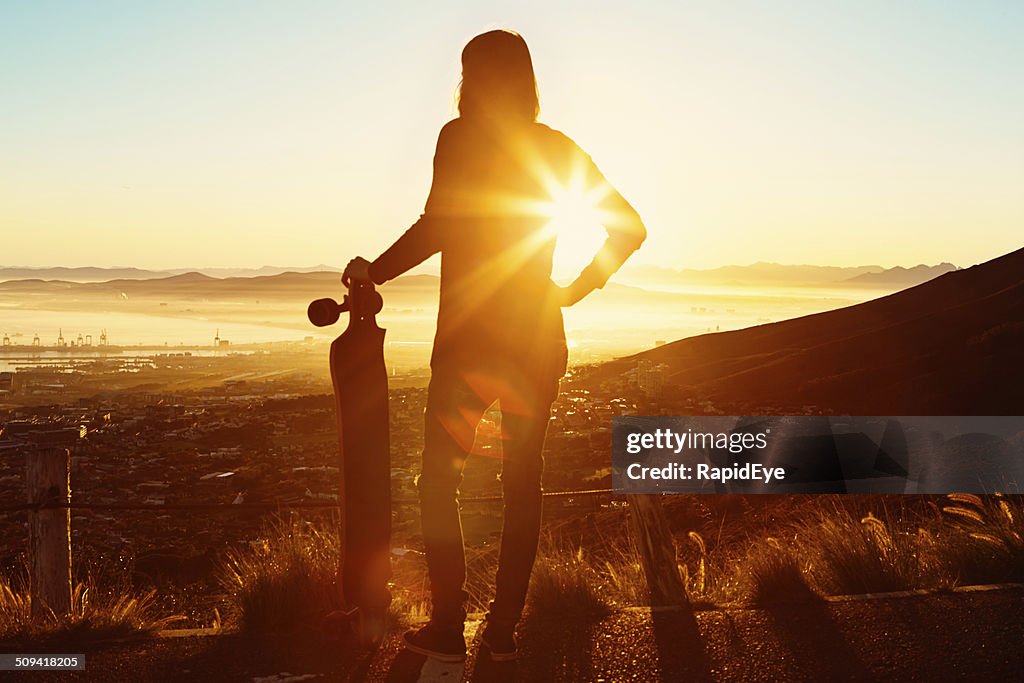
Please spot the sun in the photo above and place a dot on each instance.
(575, 220)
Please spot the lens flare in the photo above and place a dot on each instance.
(575, 220)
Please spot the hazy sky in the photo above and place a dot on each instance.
(166, 134)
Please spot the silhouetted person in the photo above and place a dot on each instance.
(500, 334)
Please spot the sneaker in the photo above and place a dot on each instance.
(440, 642)
(500, 642)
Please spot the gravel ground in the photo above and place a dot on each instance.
(974, 635)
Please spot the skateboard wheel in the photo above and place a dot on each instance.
(375, 304)
(324, 312)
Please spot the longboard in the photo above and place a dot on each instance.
(360, 382)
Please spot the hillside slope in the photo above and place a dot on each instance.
(953, 346)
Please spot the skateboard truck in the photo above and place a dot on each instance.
(362, 300)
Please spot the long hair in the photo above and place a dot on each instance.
(497, 78)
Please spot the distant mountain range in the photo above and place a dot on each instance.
(761, 272)
(196, 285)
(776, 274)
(900, 276)
(94, 274)
(86, 274)
(951, 346)
(757, 274)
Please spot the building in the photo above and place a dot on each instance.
(650, 377)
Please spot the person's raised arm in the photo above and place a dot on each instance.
(423, 239)
(626, 232)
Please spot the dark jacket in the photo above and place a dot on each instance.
(485, 214)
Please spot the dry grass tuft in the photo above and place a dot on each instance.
(288, 580)
(565, 583)
(770, 575)
(847, 555)
(94, 615)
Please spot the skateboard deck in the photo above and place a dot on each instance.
(360, 382)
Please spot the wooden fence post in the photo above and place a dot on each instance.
(48, 481)
(654, 542)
